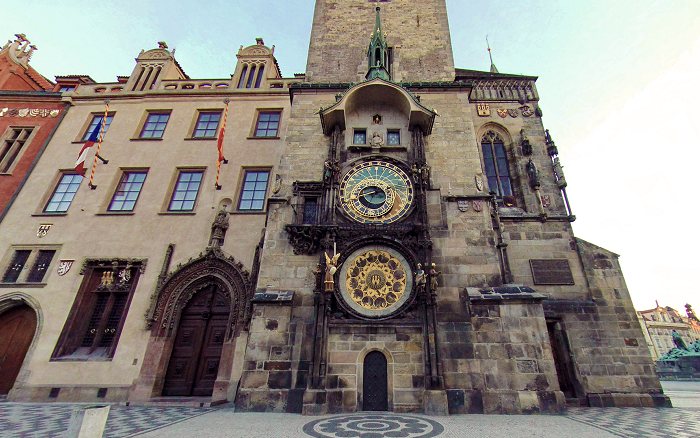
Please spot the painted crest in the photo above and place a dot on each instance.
(513, 113)
(4, 111)
(33, 112)
(64, 266)
(546, 201)
(502, 113)
(526, 111)
(24, 112)
(478, 205)
(483, 109)
(124, 275)
(479, 183)
(463, 205)
(43, 230)
(54, 113)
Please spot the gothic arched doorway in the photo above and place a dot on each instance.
(375, 395)
(17, 328)
(196, 354)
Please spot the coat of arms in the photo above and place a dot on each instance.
(513, 113)
(479, 182)
(478, 205)
(463, 205)
(526, 111)
(502, 113)
(43, 230)
(64, 266)
(546, 201)
(483, 109)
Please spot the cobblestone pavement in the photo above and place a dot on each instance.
(50, 420)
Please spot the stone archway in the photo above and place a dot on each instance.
(213, 269)
(20, 324)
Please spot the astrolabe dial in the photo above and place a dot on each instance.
(375, 282)
(376, 192)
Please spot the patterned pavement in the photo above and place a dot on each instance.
(18, 420)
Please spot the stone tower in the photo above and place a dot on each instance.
(418, 38)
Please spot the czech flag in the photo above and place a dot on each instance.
(94, 137)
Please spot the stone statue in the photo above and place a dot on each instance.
(533, 174)
(317, 274)
(331, 267)
(525, 142)
(556, 165)
(420, 279)
(678, 341)
(377, 140)
(434, 278)
(218, 228)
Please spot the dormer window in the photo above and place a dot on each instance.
(251, 76)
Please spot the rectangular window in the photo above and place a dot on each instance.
(267, 125)
(360, 136)
(155, 126)
(310, 210)
(11, 146)
(64, 193)
(253, 192)
(207, 124)
(64, 89)
(393, 138)
(127, 192)
(95, 321)
(186, 190)
(16, 265)
(97, 120)
(41, 265)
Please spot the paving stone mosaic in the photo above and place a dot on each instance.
(373, 426)
(641, 422)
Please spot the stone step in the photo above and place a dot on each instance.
(186, 402)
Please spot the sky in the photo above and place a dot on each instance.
(618, 85)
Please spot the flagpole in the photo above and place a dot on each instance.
(99, 143)
(220, 146)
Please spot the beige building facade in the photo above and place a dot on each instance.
(390, 233)
(659, 324)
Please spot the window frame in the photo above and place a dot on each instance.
(165, 209)
(241, 187)
(69, 345)
(6, 137)
(22, 279)
(498, 190)
(195, 122)
(84, 134)
(50, 194)
(115, 188)
(266, 111)
(144, 122)
(356, 131)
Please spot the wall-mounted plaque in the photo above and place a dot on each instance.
(555, 271)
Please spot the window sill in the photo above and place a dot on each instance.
(177, 213)
(36, 285)
(200, 138)
(115, 213)
(5, 173)
(249, 212)
(263, 138)
(146, 139)
(46, 213)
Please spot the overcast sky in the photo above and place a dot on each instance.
(618, 82)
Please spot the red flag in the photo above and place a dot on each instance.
(94, 137)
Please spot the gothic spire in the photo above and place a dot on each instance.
(493, 66)
(378, 53)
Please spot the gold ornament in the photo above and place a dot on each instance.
(375, 280)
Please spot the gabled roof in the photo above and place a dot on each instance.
(465, 74)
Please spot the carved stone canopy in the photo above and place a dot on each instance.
(378, 91)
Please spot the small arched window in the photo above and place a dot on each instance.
(241, 81)
(251, 76)
(496, 162)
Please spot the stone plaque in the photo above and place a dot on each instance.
(555, 271)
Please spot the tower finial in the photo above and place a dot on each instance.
(493, 66)
(377, 54)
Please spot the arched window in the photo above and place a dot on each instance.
(251, 76)
(496, 162)
(260, 76)
(241, 81)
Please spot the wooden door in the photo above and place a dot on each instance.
(17, 328)
(374, 383)
(194, 362)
